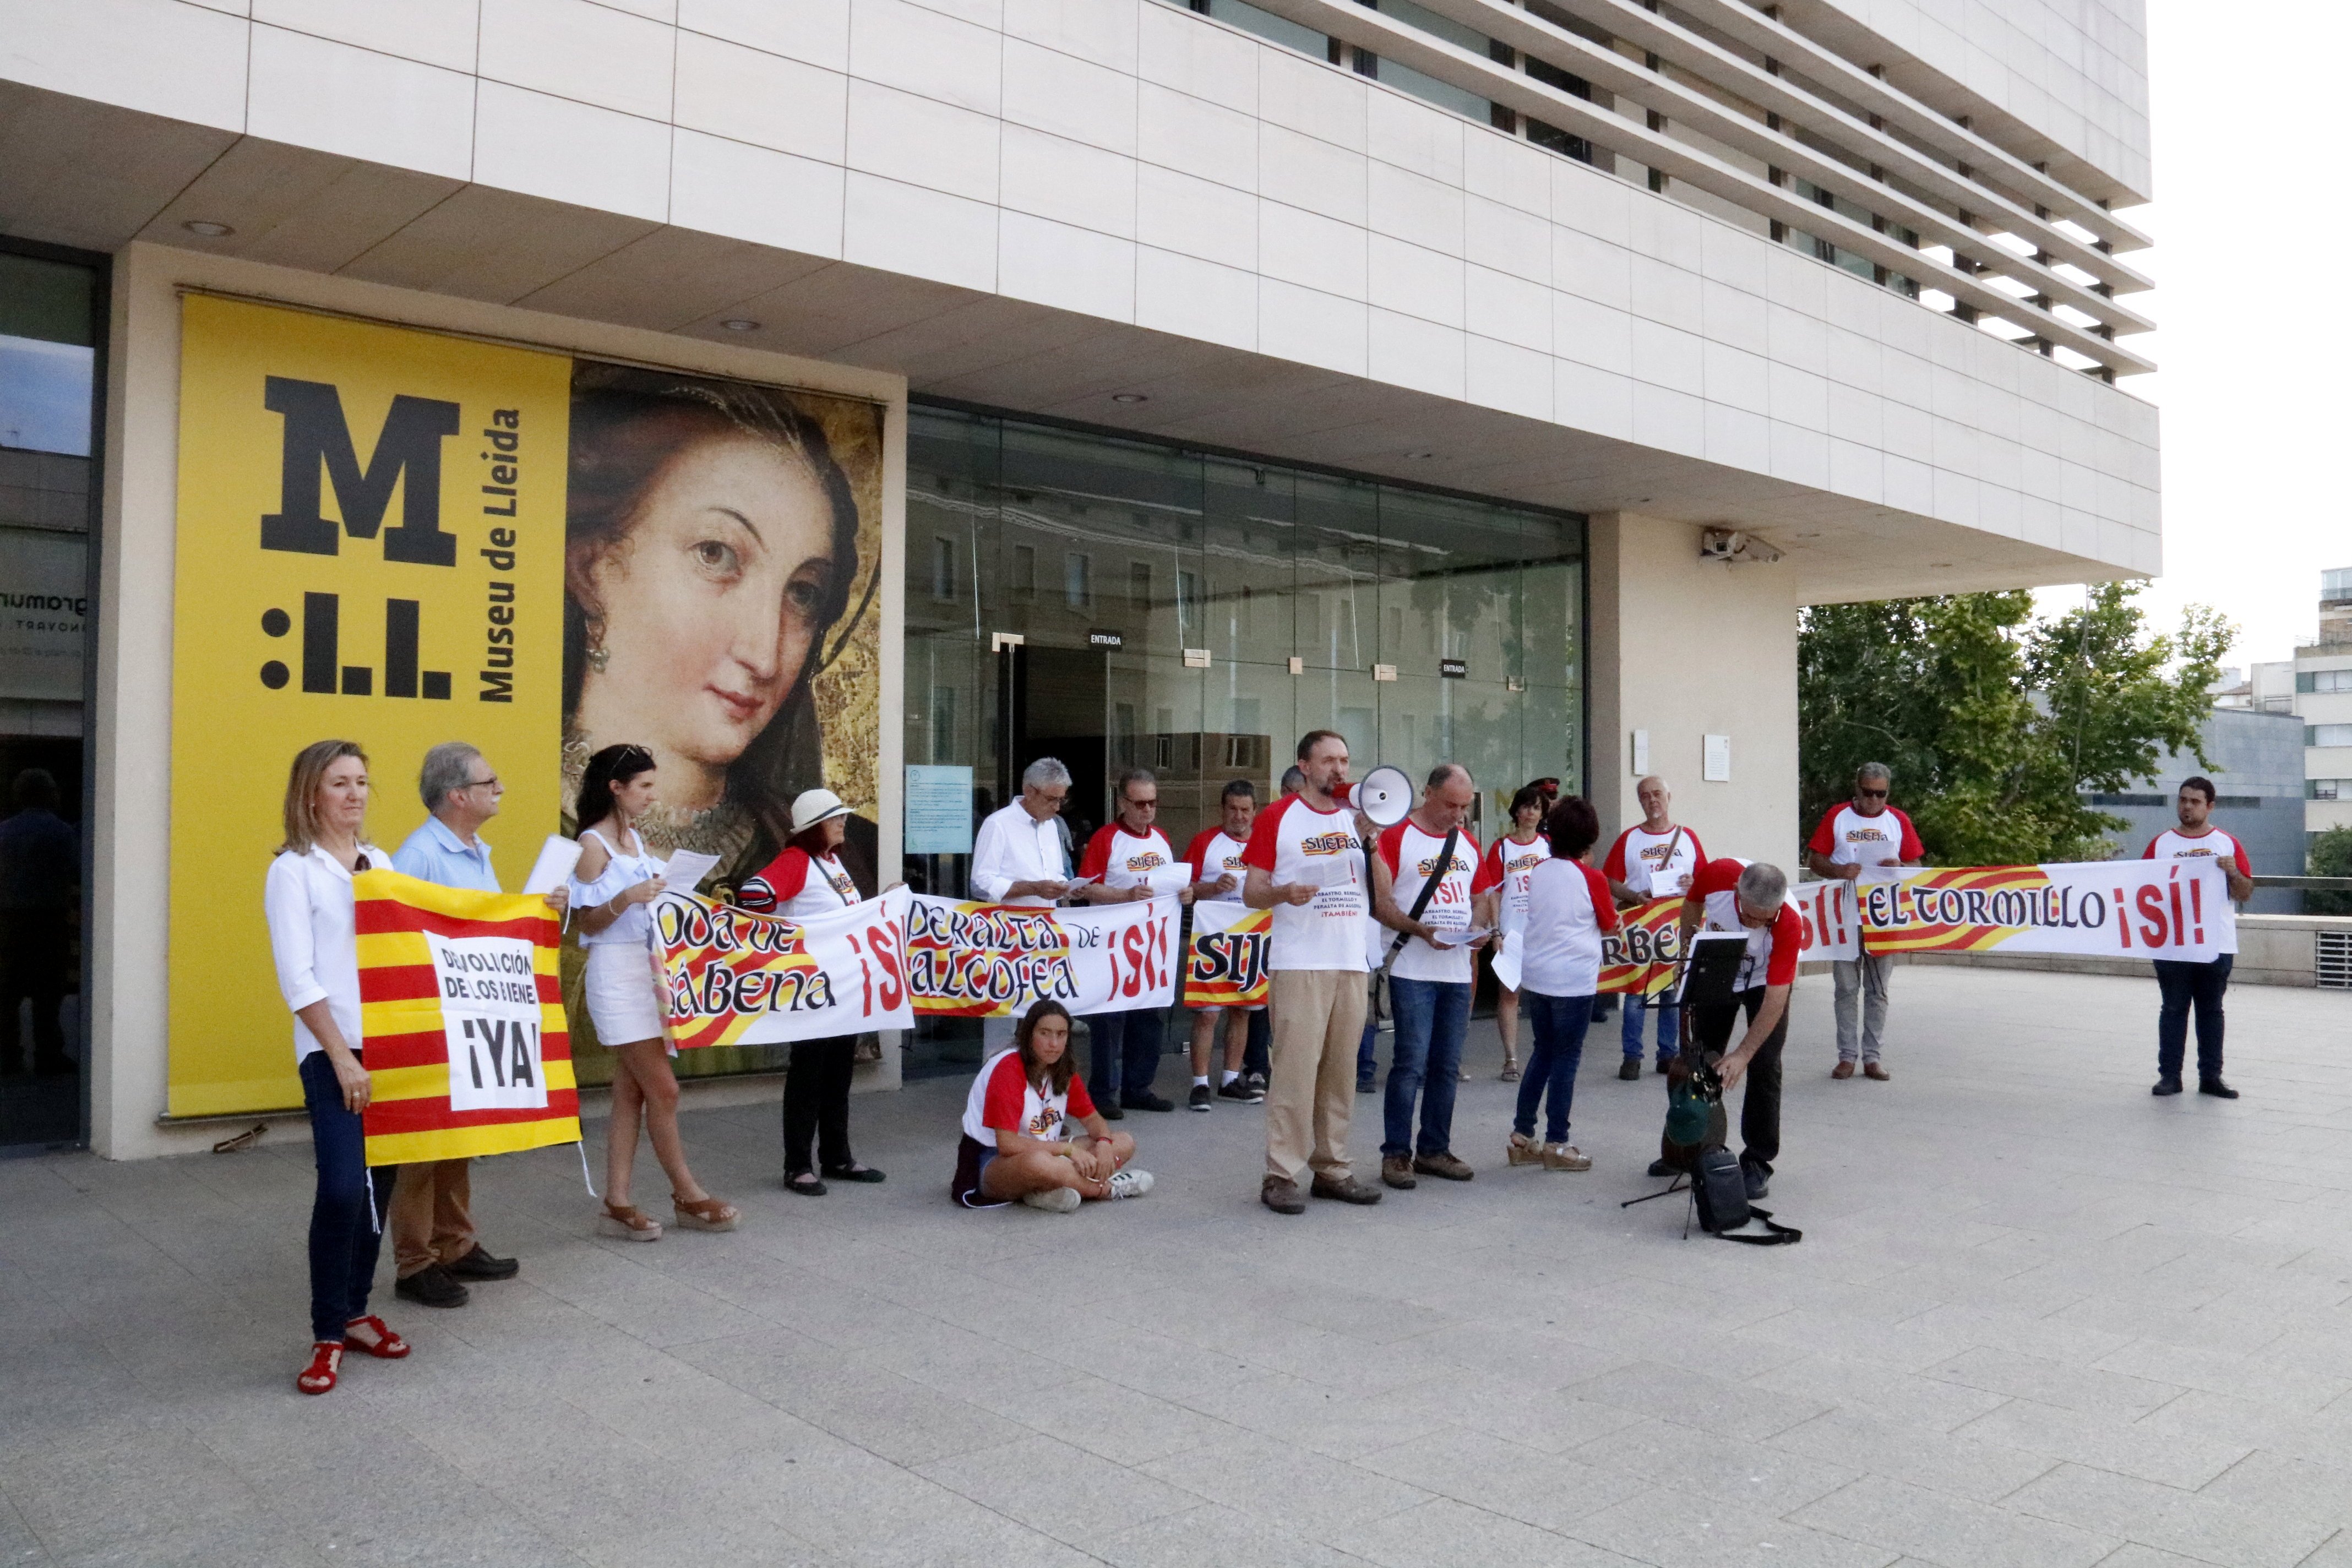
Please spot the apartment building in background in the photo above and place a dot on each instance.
(2315, 686)
(1486, 381)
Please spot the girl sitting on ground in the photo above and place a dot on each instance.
(1019, 1141)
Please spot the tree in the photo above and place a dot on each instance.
(2331, 856)
(1995, 722)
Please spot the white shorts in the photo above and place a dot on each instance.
(622, 1001)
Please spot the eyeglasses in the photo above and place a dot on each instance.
(491, 782)
(1872, 793)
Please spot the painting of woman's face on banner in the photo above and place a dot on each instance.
(722, 546)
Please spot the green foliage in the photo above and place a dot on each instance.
(1995, 722)
(2331, 856)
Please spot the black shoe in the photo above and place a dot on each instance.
(1630, 1070)
(1202, 1098)
(1666, 1066)
(1367, 1085)
(804, 1182)
(1257, 1082)
(480, 1265)
(1758, 1179)
(431, 1286)
(1240, 1089)
(1109, 1113)
(2166, 1085)
(853, 1172)
(1658, 1167)
(1147, 1102)
(2216, 1087)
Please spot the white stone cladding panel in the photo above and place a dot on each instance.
(1131, 161)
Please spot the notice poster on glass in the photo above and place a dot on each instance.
(938, 810)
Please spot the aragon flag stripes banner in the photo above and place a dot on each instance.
(735, 978)
(1226, 961)
(2114, 909)
(991, 960)
(461, 1020)
(1639, 955)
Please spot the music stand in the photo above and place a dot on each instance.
(1708, 975)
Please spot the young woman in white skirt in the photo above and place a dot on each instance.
(610, 890)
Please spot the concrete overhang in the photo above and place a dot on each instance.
(85, 174)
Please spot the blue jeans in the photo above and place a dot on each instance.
(1670, 1026)
(1368, 1061)
(1126, 1055)
(345, 1233)
(2185, 985)
(1558, 1023)
(1432, 1016)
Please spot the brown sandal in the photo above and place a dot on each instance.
(627, 1222)
(706, 1214)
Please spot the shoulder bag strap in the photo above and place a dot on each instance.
(1439, 872)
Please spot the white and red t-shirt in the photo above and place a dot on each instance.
(1569, 906)
(1411, 856)
(1849, 839)
(1293, 842)
(786, 885)
(1214, 853)
(2210, 845)
(1653, 864)
(1002, 1098)
(1507, 866)
(1772, 949)
(1124, 860)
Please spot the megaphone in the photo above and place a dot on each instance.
(1384, 796)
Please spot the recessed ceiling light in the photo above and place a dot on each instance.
(209, 230)
(741, 325)
(1129, 398)
(1418, 457)
(1941, 565)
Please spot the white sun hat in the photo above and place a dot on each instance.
(816, 806)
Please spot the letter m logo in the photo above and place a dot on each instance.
(317, 436)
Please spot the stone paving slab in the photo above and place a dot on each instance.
(2039, 1319)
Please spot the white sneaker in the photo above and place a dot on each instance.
(1057, 1200)
(1131, 1183)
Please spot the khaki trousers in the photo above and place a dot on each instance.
(1318, 1016)
(430, 1214)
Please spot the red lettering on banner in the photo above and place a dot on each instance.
(2150, 903)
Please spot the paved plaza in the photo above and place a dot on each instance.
(2038, 1318)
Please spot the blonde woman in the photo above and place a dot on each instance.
(613, 888)
(308, 898)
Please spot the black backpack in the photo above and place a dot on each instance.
(1719, 1190)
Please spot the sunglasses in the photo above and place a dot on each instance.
(1872, 793)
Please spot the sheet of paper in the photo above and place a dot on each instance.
(1167, 880)
(1507, 967)
(687, 868)
(557, 856)
(1328, 871)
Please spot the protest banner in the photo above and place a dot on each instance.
(2129, 909)
(735, 978)
(990, 961)
(461, 1022)
(1225, 965)
(1639, 955)
(1832, 921)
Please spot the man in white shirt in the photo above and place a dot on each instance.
(1018, 857)
(2187, 985)
(1306, 863)
(1129, 858)
(1864, 831)
(1653, 860)
(1432, 977)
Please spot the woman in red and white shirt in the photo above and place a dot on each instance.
(1569, 907)
(1509, 861)
(809, 880)
(1017, 1143)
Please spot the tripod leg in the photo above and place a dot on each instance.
(1662, 1192)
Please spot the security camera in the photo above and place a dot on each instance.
(1730, 545)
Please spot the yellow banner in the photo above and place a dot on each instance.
(370, 547)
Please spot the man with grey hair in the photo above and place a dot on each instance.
(431, 1212)
(1728, 896)
(1864, 831)
(1021, 856)
(1129, 858)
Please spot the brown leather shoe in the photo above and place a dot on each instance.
(1345, 1189)
(1396, 1170)
(1842, 1070)
(1281, 1197)
(1872, 1069)
(1444, 1167)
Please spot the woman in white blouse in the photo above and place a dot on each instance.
(308, 898)
(612, 888)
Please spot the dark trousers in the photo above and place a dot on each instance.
(816, 1102)
(1126, 1055)
(1424, 1063)
(344, 1233)
(2187, 985)
(1558, 1023)
(36, 962)
(1257, 1054)
(1760, 1109)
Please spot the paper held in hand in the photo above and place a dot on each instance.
(557, 856)
(686, 870)
(1168, 881)
(1332, 872)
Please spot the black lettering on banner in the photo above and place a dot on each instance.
(317, 436)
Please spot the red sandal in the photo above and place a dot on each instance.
(388, 1346)
(326, 1363)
